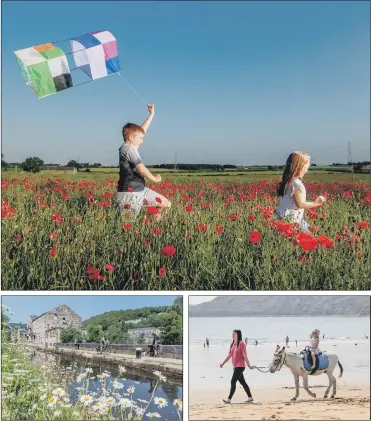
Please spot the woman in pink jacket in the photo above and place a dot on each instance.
(237, 351)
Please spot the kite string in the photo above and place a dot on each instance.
(136, 93)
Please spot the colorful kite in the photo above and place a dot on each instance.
(46, 69)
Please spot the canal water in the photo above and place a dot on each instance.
(67, 370)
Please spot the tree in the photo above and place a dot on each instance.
(70, 334)
(358, 167)
(95, 333)
(74, 164)
(3, 163)
(178, 305)
(172, 328)
(33, 165)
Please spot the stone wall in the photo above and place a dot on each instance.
(165, 351)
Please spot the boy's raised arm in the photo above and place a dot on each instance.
(145, 125)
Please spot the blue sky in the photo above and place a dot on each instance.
(233, 82)
(84, 306)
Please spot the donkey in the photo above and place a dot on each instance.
(296, 364)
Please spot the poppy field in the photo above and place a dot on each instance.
(60, 233)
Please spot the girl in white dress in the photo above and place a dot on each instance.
(292, 192)
(314, 346)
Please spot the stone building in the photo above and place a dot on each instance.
(46, 329)
(145, 333)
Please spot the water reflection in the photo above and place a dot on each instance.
(67, 369)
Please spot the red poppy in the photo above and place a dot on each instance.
(158, 200)
(168, 251)
(364, 225)
(53, 252)
(290, 233)
(255, 237)
(53, 235)
(109, 267)
(127, 227)
(55, 217)
(146, 242)
(219, 229)
(130, 190)
(325, 242)
(162, 272)
(94, 274)
(152, 210)
(306, 241)
(202, 228)
(188, 208)
(127, 206)
(156, 231)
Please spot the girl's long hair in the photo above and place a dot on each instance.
(294, 165)
(239, 337)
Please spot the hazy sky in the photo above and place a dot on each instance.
(195, 299)
(233, 82)
(84, 306)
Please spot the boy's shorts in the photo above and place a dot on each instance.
(134, 201)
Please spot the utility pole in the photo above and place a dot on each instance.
(350, 159)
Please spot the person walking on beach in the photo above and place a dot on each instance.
(246, 340)
(287, 341)
(256, 342)
(237, 351)
(296, 342)
(292, 192)
(207, 342)
(132, 194)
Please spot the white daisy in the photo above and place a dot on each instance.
(117, 385)
(59, 392)
(131, 389)
(52, 401)
(122, 369)
(86, 399)
(160, 376)
(126, 403)
(161, 402)
(179, 404)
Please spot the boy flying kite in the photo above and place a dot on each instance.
(132, 194)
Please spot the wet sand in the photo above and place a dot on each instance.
(352, 402)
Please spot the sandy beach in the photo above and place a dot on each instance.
(209, 384)
(352, 402)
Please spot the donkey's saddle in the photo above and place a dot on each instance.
(321, 361)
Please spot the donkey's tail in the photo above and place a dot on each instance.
(341, 369)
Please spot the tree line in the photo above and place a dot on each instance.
(114, 327)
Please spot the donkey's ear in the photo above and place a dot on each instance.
(282, 350)
(278, 347)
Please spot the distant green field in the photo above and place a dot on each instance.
(320, 175)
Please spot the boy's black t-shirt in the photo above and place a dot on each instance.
(129, 176)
